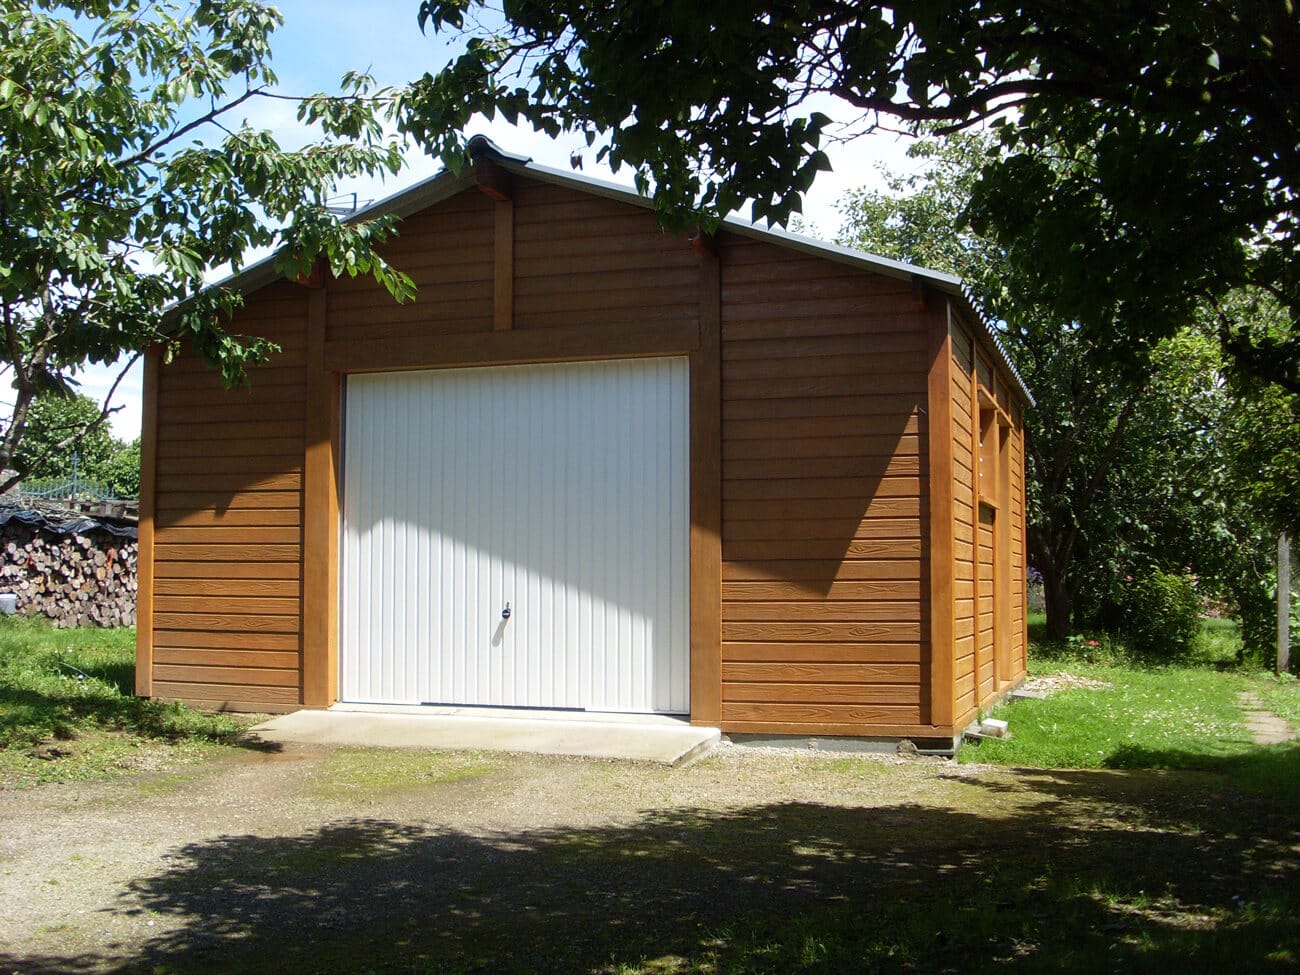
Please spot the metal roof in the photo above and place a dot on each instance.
(447, 184)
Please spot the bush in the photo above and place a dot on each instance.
(1158, 614)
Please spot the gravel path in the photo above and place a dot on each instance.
(314, 859)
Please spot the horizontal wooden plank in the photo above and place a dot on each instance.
(263, 395)
(817, 548)
(817, 592)
(889, 427)
(250, 465)
(807, 321)
(787, 448)
(502, 347)
(279, 605)
(181, 569)
(780, 468)
(234, 482)
(225, 694)
(449, 289)
(825, 571)
(224, 640)
(841, 529)
(878, 365)
(232, 413)
(290, 446)
(761, 304)
(802, 387)
(170, 518)
(589, 293)
(833, 509)
(243, 676)
(285, 368)
(818, 694)
(803, 632)
(808, 610)
(203, 432)
(227, 587)
(829, 728)
(231, 622)
(237, 534)
(232, 706)
(653, 283)
(545, 258)
(799, 345)
(866, 715)
(600, 319)
(820, 487)
(899, 408)
(821, 673)
(788, 653)
(232, 552)
(200, 499)
(279, 659)
(386, 321)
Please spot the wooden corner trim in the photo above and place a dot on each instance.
(943, 606)
(319, 620)
(706, 500)
(145, 535)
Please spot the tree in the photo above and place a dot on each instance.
(129, 176)
(43, 451)
(1178, 119)
(1129, 474)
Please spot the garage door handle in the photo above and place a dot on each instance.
(505, 613)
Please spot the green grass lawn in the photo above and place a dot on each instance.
(67, 710)
(1182, 715)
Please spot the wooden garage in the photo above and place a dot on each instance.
(763, 482)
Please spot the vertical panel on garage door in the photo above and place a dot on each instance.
(560, 490)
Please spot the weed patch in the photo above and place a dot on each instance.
(68, 712)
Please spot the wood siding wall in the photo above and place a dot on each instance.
(821, 460)
(227, 521)
(824, 567)
(989, 548)
(964, 517)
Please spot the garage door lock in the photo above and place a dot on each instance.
(505, 613)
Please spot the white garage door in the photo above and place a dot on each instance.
(559, 492)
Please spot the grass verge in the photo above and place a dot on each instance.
(68, 712)
(1183, 715)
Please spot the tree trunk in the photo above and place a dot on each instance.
(1059, 603)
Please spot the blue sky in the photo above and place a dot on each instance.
(321, 40)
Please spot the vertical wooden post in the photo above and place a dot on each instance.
(320, 531)
(706, 497)
(1002, 666)
(144, 547)
(943, 566)
(503, 286)
(1283, 604)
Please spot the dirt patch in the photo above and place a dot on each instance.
(321, 860)
(1051, 683)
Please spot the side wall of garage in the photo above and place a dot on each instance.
(824, 569)
(220, 592)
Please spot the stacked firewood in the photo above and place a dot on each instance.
(83, 579)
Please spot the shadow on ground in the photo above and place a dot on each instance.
(1070, 872)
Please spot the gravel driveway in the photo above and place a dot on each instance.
(312, 860)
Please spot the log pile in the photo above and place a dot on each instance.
(82, 579)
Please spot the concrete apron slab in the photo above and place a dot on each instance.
(645, 738)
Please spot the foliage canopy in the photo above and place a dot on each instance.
(1178, 122)
(130, 175)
